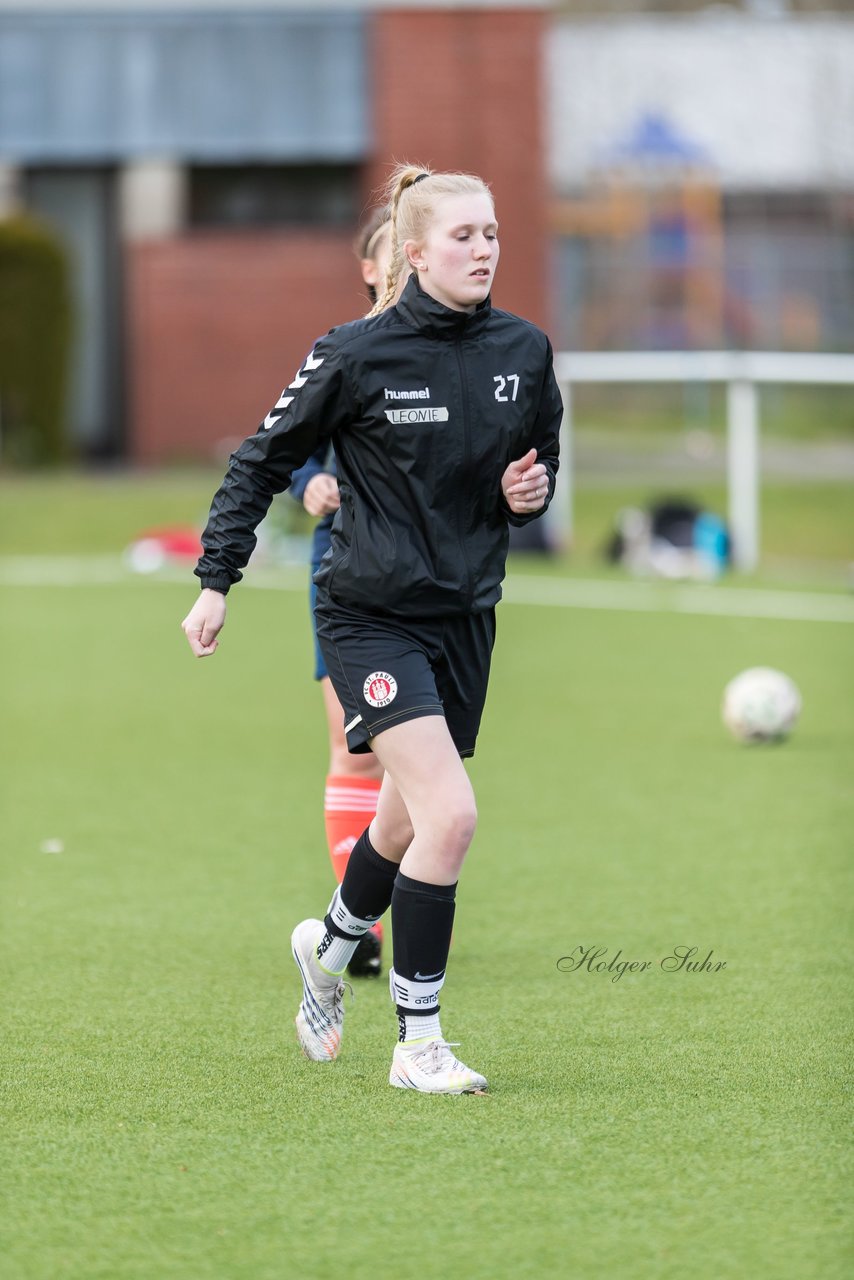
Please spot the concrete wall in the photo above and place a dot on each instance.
(771, 104)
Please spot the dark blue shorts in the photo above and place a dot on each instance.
(320, 544)
(320, 672)
(386, 670)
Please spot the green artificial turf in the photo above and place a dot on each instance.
(159, 1121)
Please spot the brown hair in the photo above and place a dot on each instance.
(367, 239)
(411, 194)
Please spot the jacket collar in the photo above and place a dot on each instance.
(427, 315)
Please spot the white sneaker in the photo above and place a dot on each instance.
(432, 1068)
(320, 1018)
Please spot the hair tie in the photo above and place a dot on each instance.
(420, 178)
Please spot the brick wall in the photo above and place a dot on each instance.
(217, 326)
(462, 90)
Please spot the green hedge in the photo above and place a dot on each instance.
(35, 340)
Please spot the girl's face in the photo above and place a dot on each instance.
(456, 261)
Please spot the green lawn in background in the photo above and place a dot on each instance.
(807, 526)
(788, 411)
(90, 511)
(158, 1118)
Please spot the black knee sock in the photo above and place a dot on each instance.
(422, 917)
(366, 890)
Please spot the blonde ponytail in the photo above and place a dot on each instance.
(403, 177)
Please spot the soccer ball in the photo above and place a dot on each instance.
(761, 705)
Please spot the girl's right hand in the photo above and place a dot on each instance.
(321, 496)
(204, 622)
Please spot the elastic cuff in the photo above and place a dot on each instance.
(216, 584)
(408, 885)
(382, 864)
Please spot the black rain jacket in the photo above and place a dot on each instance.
(425, 408)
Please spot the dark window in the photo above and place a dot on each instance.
(274, 195)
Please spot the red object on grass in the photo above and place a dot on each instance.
(155, 548)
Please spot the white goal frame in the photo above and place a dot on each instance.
(742, 372)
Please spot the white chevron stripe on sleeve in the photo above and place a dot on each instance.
(273, 417)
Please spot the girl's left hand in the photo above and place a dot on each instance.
(525, 485)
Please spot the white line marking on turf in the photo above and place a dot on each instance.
(61, 571)
(561, 593)
(642, 597)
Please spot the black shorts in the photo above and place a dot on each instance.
(386, 670)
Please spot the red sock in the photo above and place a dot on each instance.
(348, 806)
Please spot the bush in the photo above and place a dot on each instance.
(35, 338)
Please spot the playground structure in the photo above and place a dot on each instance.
(646, 239)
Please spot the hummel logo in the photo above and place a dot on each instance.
(312, 363)
(424, 394)
(428, 977)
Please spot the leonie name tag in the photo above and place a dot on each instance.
(416, 415)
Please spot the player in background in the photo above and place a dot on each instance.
(353, 781)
